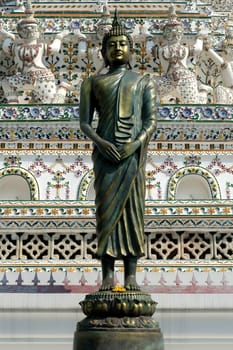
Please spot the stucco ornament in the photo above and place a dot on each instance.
(31, 73)
(178, 83)
(223, 93)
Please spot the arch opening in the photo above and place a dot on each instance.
(193, 187)
(14, 187)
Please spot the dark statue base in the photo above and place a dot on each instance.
(118, 321)
(118, 339)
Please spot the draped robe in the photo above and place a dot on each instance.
(125, 102)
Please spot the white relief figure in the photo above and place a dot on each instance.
(31, 73)
(178, 82)
(223, 94)
(104, 25)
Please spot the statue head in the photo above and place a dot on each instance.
(28, 27)
(227, 43)
(105, 23)
(117, 35)
(173, 29)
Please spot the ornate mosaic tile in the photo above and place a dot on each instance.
(48, 244)
(71, 113)
(143, 21)
(86, 209)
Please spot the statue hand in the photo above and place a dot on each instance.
(79, 35)
(128, 149)
(207, 43)
(7, 34)
(109, 151)
(202, 34)
(63, 34)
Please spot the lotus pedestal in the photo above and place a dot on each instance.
(118, 321)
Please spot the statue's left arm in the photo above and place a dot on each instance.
(9, 39)
(199, 44)
(149, 110)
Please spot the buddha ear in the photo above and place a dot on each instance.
(103, 53)
(132, 51)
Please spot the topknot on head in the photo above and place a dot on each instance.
(29, 19)
(172, 21)
(117, 29)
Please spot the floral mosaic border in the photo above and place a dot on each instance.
(173, 134)
(86, 209)
(49, 131)
(196, 112)
(26, 175)
(39, 112)
(70, 112)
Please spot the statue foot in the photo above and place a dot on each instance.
(131, 284)
(107, 284)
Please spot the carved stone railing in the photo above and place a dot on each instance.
(63, 231)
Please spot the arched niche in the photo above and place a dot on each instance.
(17, 184)
(193, 187)
(86, 190)
(193, 183)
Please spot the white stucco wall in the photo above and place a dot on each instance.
(197, 322)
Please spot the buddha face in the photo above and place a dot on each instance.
(117, 50)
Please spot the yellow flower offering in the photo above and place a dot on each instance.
(119, 288)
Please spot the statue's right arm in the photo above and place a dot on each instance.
(7, 46)
(7, 34)
(9, 39)
(215, 57)
(87, 107)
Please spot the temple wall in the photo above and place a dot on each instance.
(47, 227)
